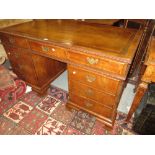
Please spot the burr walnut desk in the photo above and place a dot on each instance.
(97, 59)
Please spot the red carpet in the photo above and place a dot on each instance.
(49, 116)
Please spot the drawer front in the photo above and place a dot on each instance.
(48, 49)
(99, 63)
(91, 93)
(14, 40)
(90, 105)
(97, 81)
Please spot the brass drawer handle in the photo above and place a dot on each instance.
(92, 61)
(90, 78)
(88, 104)
(45, 48)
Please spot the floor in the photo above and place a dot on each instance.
(48, 115)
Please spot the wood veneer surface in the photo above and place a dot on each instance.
(110, 41)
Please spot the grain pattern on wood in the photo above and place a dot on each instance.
(113, 42)
(97, 59)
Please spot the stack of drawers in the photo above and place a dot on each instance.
(29, 63)
(17, 50)
(92, 88)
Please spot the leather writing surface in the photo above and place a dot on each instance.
(108, 40)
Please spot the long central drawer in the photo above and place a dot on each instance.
(48, 49)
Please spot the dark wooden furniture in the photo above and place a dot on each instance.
(141, 23)
(98, 60)
(148, 77)
(144, 118)
(137, 67)
(145, 123)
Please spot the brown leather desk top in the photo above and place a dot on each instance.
(109, 41)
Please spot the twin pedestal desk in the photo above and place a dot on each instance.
(97, 58)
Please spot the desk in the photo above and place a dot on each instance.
(97, 59)
(148, 77)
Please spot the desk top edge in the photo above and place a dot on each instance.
(124, 57)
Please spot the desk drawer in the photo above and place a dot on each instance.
(99, 63)
(14, 40)
(90, 105)
(48, 49)
(95, 80)
(91, 93)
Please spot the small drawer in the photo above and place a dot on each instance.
(48, 49)
(91, 93)
(90, 105)
(14, 40)
(101, 63)
(102, 82)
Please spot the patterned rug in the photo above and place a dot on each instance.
(34, 115)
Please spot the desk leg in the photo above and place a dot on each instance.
(138, 96)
